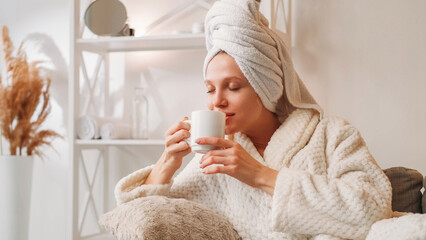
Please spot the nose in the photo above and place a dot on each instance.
(219, 99)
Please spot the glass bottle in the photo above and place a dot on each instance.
(140, 115)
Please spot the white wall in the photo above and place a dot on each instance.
(362, 60)
(45, 25)
(366, 61)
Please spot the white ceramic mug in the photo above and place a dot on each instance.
(205, 123)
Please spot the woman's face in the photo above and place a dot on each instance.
(229, 91)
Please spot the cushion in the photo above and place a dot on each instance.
(158, 217)
(406, 185)
(424, 196)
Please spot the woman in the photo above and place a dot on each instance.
(285, 172)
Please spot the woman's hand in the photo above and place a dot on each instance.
(236, 162)
(171, 159)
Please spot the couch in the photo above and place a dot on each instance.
(157, 217)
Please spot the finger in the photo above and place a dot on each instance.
(220, 152)
(178, 147)
(177, 137)
(218, 169)
(228, 152)
(187, 151)
(177, 126)
(184, 152)
(215, 141)
(215, 160)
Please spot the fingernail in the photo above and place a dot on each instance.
(197, 141)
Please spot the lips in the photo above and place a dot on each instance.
(229, 115)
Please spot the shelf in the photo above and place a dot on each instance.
(121, 142)
(102, 236)
(146, 43)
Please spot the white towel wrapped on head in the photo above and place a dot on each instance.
(238, 28)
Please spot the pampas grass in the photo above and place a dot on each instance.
(24, 102)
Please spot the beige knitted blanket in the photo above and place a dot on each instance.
(328, 187)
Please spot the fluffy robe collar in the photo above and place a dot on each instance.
(292, 135)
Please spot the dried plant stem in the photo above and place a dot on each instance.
(24, 103)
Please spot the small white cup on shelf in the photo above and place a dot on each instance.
(198, 27)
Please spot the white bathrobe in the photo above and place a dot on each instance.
(328, 187)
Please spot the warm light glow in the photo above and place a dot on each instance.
(140, 31)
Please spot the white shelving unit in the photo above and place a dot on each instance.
(120, 142)
(101, 47)
(148, 43)
(80, 174)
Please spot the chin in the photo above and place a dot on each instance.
(232, 126)
(230, 130)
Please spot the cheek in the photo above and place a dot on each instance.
(210, 103)
(252, 105)
(258, 110)
(259, 103)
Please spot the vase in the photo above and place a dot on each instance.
(15, 197)
(140, 115)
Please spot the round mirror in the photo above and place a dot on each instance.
(106, 17)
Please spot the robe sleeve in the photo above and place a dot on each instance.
(188, 184)
(132, 186)
(344, 201)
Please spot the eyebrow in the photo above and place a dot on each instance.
(227, 78)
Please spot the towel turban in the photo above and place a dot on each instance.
(238, 28)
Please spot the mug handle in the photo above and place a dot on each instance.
(188, 140)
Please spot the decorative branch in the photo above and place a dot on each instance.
(24, 103)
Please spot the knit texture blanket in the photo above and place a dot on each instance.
(407, 226)
(328, 187)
